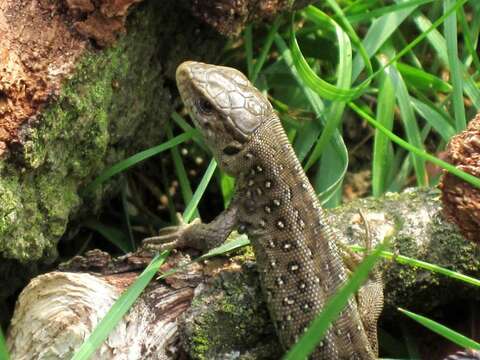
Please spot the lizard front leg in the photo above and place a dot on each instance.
(196, 235)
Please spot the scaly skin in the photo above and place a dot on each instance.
(297, 257)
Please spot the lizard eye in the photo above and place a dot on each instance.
(205, 106)
(231, 150)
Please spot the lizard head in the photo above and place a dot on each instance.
(225, 107)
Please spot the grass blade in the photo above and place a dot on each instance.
(186, 127)
(324, 190)
(382, 154)
(473, 91)
(112, 234)
(344, 76)
(247, 37)
(410, 124)
(439, 44)
(405, 260)
(422, 153)
(3, 347)
(427, 30)
(469, 42)
(227, 185)
(385, 10)
(329, 177)
(265, 50)
(349, 30)
(422, 80)
(182, 176)
(434, 117)
(239, 242)
(135, 159)
(442, 330)
(454, 66)
(378, 33)
(306, 138)
(317, 84)
(192, 205)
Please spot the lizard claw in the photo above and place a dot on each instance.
(170, 237)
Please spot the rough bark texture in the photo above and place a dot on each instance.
(59, 311)
(228, 318)
(90, 121)
(82, 110)
(229, 17)
(460, 199)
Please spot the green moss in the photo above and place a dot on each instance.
(231, 317)
(77, 136)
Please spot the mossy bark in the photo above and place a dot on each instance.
(114, 104)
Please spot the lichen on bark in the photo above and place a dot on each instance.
(229, 319)
(93, 122)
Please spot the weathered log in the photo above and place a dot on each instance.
(228, 316)
(61, 309)
(58, 310)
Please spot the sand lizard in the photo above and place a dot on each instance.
(296, 252)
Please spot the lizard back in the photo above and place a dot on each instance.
(297, 257)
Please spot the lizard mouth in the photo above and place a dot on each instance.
(231, 150)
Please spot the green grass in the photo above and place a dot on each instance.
(136, 159)
(442, 330)
(378, 40)
(191, 208)
(405, 260)
(3, 347)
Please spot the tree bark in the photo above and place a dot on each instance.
(70, 108)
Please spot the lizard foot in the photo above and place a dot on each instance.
(370, 295)
(170, 237)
